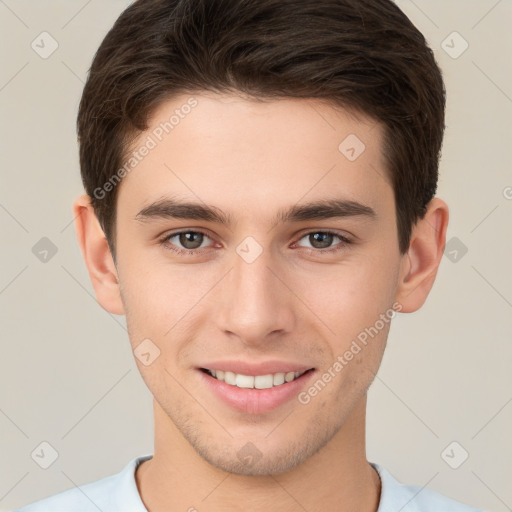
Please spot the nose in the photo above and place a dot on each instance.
(256, 301)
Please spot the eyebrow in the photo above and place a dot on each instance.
(317, 210)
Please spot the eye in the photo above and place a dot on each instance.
(190, 243)
(187, 242)
(321, 241)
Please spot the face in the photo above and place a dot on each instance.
(285, 260)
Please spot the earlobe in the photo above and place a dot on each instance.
(419, 266)
(97, 256)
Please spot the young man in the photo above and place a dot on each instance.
(260, 179)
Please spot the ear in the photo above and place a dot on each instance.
(97, 256)
(419, 265)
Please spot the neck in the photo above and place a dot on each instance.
(337, 477)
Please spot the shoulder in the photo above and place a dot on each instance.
(89, 497)
(414, 498)
(115, 493)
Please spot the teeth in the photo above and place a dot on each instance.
(278, 379)
(244, 381)
(263, 381)
(259, 381)
(230, 378)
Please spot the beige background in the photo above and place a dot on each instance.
(67, 374)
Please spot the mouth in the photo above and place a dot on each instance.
(267, 381)
(254, 387)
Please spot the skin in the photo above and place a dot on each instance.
(293, 303)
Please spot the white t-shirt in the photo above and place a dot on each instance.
(118, 493)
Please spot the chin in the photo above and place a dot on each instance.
(265, 465)
(254, 459)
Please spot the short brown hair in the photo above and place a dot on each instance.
(363, 55)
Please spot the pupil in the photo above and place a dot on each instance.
(185, 240)
(325, 240)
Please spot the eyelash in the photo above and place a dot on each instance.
(196, 252)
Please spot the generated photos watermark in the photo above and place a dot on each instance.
(341, 361)
(157, 135)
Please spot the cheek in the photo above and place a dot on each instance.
(147, 295)
(160, 298)
(351, 297)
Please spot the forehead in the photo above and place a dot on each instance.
(240, 153)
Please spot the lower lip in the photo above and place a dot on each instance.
(256, 401)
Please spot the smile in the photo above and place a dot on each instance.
(254, 381)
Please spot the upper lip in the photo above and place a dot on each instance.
(253, 368)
